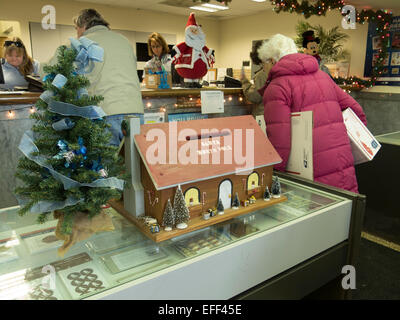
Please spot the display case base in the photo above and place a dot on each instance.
(195, 223)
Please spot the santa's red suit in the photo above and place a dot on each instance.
(192, 63)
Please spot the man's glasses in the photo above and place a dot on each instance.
(16, 43)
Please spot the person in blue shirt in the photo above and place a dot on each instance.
(16, 64)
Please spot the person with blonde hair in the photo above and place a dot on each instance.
(17, 64)
(159, 51)
(295, 84)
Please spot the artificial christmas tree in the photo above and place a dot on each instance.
(69, 168)
(276, 188)
(220, 207)
(236, 202)
(168, 217)
(181, 211)
(267, 194)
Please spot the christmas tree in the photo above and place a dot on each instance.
(181, 211)
(276, 188)
(68, 164)
(267, 195)
(168, 217)
(220, 207)
(236, 202)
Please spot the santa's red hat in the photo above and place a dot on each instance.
(191, 21)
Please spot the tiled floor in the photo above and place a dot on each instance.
(378, 270)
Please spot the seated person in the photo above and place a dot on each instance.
(16, 64)
(159, 51)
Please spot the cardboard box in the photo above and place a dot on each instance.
(300, 160)
(152, 81)
(363, 144)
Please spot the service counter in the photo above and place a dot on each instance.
(15, 109)
(382, 110)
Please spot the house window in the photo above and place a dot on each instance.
(192, 197)
(252, 181)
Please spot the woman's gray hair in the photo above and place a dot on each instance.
(89, 18)
(276, 47)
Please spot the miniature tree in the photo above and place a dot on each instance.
(220, 207)
(276, 188)
(267, 194)
(68, 164)
(236, 202)
(181, 211)
(168, 217)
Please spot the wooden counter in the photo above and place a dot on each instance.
(11, 98)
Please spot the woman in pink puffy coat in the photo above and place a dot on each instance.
(296, 84)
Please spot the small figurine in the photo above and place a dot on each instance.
(155, 228)
(206, 215)
(212, 212)
(267, 194)
(252, 200)
(236, 202)
(245, 203)
(220, 207)
(276, 188)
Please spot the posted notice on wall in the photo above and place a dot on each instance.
(300, 161)
(212, 101)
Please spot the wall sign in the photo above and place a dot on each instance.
(391, 72)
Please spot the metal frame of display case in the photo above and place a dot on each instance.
(268, 264)
(301, 280)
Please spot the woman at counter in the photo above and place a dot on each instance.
(17, 64)
(159, 51)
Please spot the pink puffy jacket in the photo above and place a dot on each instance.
(296, 84)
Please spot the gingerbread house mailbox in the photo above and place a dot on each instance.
(210, 161)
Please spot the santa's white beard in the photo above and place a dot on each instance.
(197, 41)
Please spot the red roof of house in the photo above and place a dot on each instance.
(188, 151)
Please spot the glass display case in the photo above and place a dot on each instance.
(218, 262)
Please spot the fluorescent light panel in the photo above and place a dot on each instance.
(259, 0)
(203, 9)
(214, 6)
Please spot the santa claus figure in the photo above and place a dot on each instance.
(193, 59)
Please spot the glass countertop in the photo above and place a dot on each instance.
(31, 269)
(389, 138)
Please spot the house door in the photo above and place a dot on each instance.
(225, 193)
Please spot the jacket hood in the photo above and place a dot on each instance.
(294, 64)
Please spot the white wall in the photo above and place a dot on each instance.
(237, 35)
(25, 11)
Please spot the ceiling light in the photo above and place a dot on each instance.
(203, 9)
(259, 0)
(215, 6)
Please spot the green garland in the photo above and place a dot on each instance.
(382, 19)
